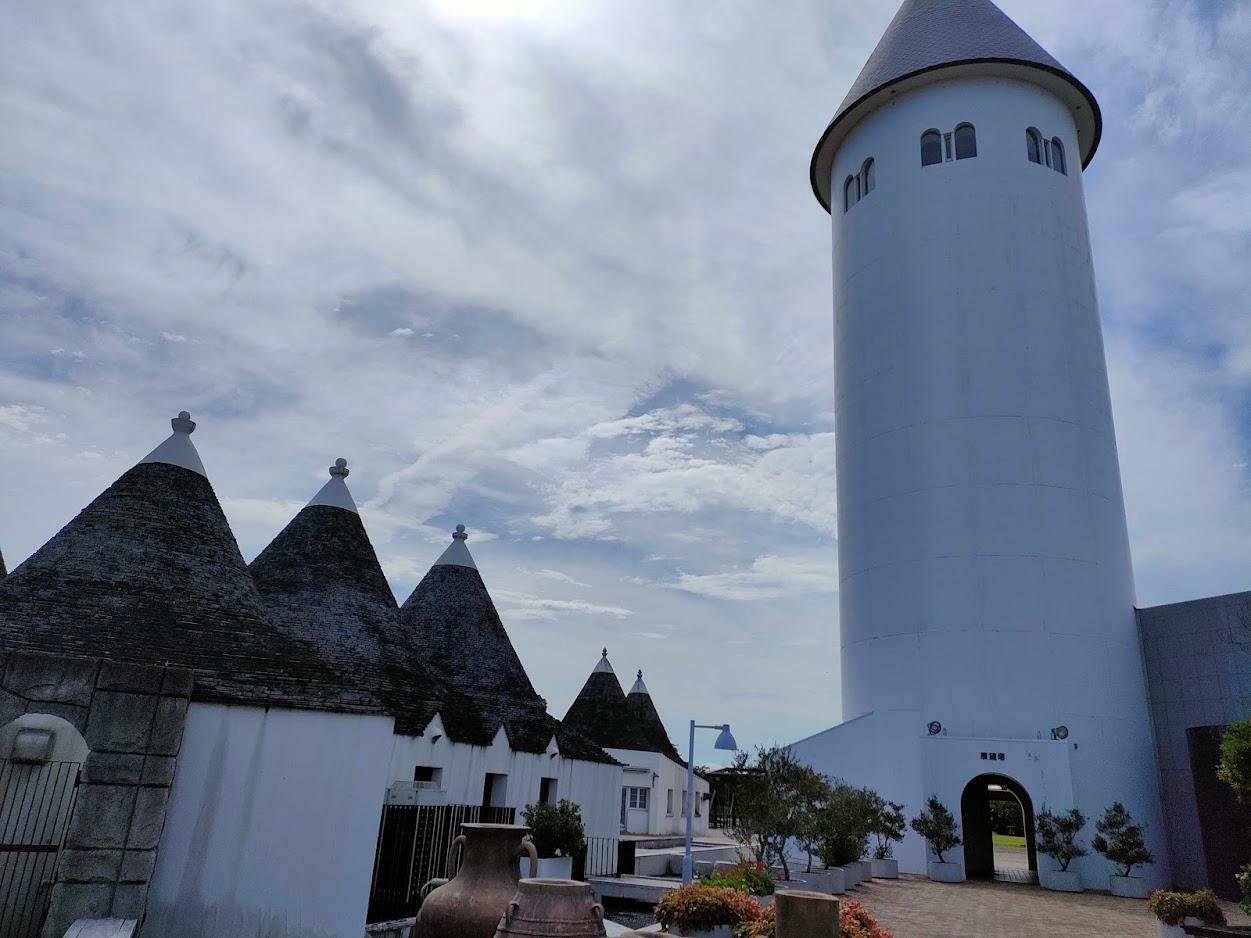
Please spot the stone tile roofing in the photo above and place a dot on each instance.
(321, 584)
(643, 710)
(3, 570)
(600, 713)
(150, 572)
(927, 35)
(454, 621)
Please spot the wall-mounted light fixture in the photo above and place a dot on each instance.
(1060, 732)
(934, 727)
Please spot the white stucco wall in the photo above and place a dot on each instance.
(272, 824)
(595, 787)
(662, 775)
(984, 567)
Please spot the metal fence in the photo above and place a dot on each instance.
(36, 802)
(413, 842)
(601, 856)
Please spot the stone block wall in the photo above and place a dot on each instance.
(131, 717)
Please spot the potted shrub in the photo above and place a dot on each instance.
(843, 825)
(1057, 839)
(1121, 841)
(938, 827)
(557, 834)
(748, 876)
(888, 826)
(1175, 909)
(705, 911)
(854, 921)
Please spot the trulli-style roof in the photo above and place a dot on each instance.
(929, 40)
(150, 572)
(451, 617)
(601, 715)
(643, 710)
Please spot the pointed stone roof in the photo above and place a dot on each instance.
(3, 570)
(641, 708)
(150, 572)
(600, 713)
(322, 584)
(930, 40)
(451, 617)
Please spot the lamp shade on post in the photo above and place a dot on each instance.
(725, 740)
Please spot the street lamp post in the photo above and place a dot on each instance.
(725, 740)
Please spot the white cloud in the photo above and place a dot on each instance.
(522, 606)
(768, 577)
(403, 332)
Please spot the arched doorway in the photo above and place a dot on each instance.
(977, 820)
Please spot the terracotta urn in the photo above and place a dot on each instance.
(471, 903)
(553, 908)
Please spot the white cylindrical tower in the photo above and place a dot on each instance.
(984, 569)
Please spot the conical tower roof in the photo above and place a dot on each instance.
(641, 708)
(930, 40)
(451, 617)
(600, 713)
(322, 584)
(150, 572)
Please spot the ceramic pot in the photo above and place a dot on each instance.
(552, 908)
(945, 872)
(884, 869)
(1129, 887)
(471, 903)
(1060, 880)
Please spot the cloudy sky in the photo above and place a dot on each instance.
(554, 270)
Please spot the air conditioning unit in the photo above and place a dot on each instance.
(404, 792)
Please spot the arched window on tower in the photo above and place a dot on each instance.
(1057, 156)
(931, 148)
(851, 192)
(966, 141)
(868, 178)
(1033, 145)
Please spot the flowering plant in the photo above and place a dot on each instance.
(854, 921)
(1172, 908)
(749, 877)
(700, 907)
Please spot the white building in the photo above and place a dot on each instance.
(241, 792)
(985, 587)
(628, 727)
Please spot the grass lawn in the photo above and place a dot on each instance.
(1007, 840)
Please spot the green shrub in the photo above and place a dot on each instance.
(1172, 908)
(1244, 884)
(555, 829)
(1121, 840)
(1235, 765)
(698, 907)
(937, 825)
(748, 877)
(887, 825)
(1057, 836)
(844, 823)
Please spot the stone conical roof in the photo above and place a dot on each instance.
(322, 584)
(451, 617)
(641, 708)
(150, 572)
(3, 570)
(926, 41)
(600, 713)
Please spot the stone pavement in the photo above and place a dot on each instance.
(914, 907)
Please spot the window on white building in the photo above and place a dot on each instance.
(1057, 156)
(966, 142)
(1033, 145)
(868, 177)
(931, 148)
(669, 803)
(547, 790)
(429, 774)
(638, 798)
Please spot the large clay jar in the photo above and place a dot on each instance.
(471, 904)
(552, 908)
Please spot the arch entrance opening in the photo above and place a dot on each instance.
(997, 824)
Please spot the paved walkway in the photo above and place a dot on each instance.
(914, 907)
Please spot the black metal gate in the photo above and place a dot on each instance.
(36, 802)
(413, 842)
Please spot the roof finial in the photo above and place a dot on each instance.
(183, 423)
(340, 470)
(459, 534)
(605, 652)
(640, 674)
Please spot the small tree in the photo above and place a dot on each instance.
(1121, 840)
(888, 825)
(555, 829)
(845, 821)
(1235, 765)
(1057, 836)
(774, 803)
(937, 825)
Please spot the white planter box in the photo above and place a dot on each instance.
(1175, 931)
(884, 869)
(1060, 880)
(945, 872)
(549, 867)
(1129, 887)
(864, 870)
(721, 931)
(832, 882)
(851, 875)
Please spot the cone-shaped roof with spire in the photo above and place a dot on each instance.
(930, 40)
(321, 583)
(451, 617)
(641, 708)
(150, 572)
(600, 713)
